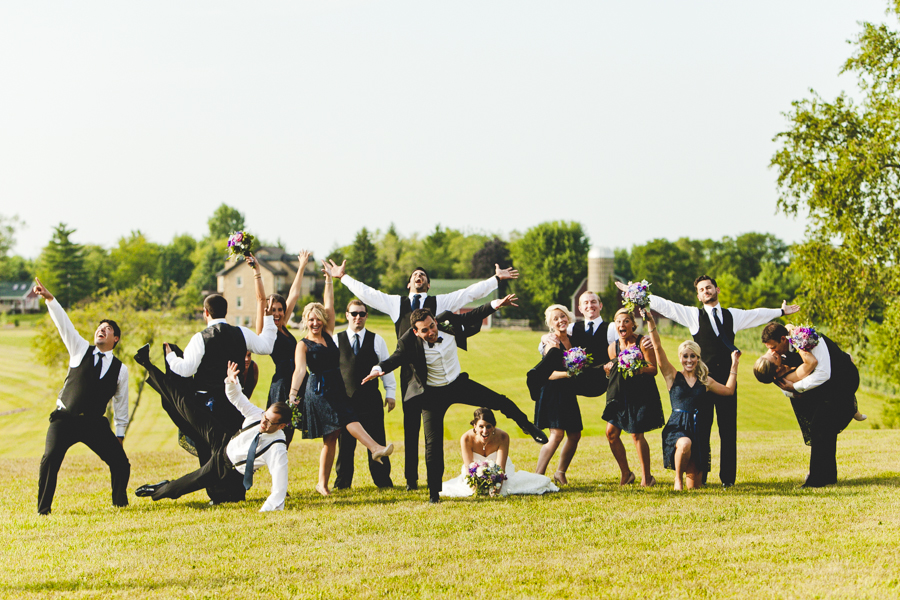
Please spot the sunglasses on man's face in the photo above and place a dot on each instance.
(358, 314)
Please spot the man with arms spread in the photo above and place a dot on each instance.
(399, 308)
(95, 376)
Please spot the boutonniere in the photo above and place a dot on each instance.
(447, 326)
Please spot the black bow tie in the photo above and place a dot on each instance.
(439, 340)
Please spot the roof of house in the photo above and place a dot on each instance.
(15, 289)
(266, 256)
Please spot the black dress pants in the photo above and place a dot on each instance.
(726, 417)
(412, 424)
(435, 403)
(373, 423)
(210, 436)
(94, 432)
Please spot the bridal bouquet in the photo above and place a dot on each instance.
(239, 244)
(630, 361)
(485, 478)
(576, 360)
(637, 295)
(804, 338)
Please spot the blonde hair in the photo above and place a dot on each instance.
(314, 308)
(702, 371)
(765, 369)
(548, 314)
(625, 311)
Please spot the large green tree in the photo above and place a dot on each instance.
(61, 267)
(224, 221)
(134, 257)
(839, 163)
(552, 258)
(668, 268)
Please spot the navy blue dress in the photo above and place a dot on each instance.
(327, 407)
(692, 416)
(633, 404)
(557, 405)
(283, 357)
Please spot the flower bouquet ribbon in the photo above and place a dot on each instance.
(485, 477)
(577, 360)
(239, 244)
(637, 295)
(804, 338)
(630, 361)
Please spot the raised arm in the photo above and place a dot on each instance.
(236, 396)
(667, 369)
(730, 387)
(265, 341)
(260, 293)
(387, 303)
(458, 299)
(329, 297)
(74, 343)
(294, 293)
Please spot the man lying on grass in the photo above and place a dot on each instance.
(260, 442)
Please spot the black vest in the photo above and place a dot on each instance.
(403, 325)
(223, 343)
(84, 394)
(354, 369)
(595, 344)
(714, 351)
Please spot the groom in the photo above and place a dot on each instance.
(430, 348)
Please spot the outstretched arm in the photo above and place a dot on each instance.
(730, 387)
(236, 396)
(74, 343)
(746, 319)
(294, 293)
(329, 297)
(387, 303)
(666, 368)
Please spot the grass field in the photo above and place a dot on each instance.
(763, 538)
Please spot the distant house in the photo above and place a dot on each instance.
(446, 286)
(278, 269)
(18, 297)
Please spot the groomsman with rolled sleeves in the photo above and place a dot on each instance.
(713, 328)
(94, 378)
(398, 308)
(361, 350)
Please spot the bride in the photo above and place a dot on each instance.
(485, 442)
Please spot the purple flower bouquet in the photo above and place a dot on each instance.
(485, 478)
(576, 360)
(239, 244)
(630, 361)
(637, 295)
(804, 338)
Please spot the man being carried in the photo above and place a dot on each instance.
(398, 308)
(438, 382)
(95, 376)
(260, 442)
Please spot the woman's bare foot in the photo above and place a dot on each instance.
(679, 484)
(859, 416)
(322, 489)
(560, 478)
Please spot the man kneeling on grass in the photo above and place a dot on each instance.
(260, 442)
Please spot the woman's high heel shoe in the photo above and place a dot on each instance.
(559, 478)
(377, 456)
(630, 479)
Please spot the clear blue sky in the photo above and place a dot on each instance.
(640, 120)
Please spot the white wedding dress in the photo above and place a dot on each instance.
(517, 482)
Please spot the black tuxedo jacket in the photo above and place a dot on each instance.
(411, 349)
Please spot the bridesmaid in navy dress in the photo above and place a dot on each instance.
(326, 407)
(686, 436)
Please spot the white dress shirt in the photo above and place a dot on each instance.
(193, 353)
(390, 303)
(611, 333)
(820, 374)
(275, 457)
(381, 349)
(77, 346)
(690, 316)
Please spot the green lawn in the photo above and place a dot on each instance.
(763, 538)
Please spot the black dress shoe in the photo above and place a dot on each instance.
(434, 499)
(725, 486)
(531, 429)
(148, 490)
(142, 356)
(411, 486)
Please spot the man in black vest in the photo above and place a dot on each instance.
(438, 382)
(361, 350)
(206, 359)
(399, 308)
(713, 328)
(95, 376)
(824, 401)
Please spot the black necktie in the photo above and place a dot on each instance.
(248, 466)
(439, 340)
(415, 302)
(355, 344)
(98, 366)
(590, 328)
(719, 326)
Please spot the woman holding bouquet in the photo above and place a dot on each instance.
(686, 436)
(632, 400)
(326, 407)
(556, 406)
(484, 442)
